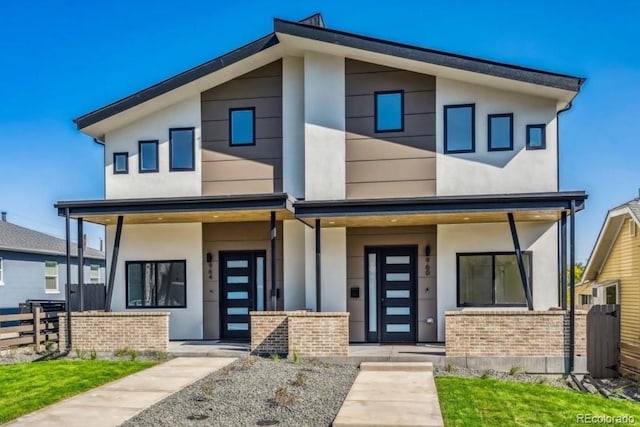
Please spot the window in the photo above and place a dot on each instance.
(585, 299)
(242, 124)
(459, 128)
(389, 111)
(51, 277)
(1, 272)
(181, 149)
(611, 294)
(120, 163)
(155, 284)
(500, 135)
(491, 279)
(94, 273)
(536, 139)
(148, 156)
(594, 292)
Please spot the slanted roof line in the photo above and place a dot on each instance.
(315, 20)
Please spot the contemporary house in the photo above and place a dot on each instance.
(613, 276)
(323, 170)
(33, 265)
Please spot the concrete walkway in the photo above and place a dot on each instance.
(114, 403)
(392, 394)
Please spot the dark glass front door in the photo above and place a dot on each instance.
(242, 289)
(391, 294)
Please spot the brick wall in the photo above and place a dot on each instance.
(308, 334)
(513, 333)
(100, 331)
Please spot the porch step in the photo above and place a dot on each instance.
(397, 366)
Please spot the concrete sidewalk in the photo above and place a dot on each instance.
(392, 394)
(114, 403)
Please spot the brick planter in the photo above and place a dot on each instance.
(107, 332)
(309, 334)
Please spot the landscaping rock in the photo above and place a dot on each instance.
(517, 377)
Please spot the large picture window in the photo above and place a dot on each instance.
(156, 284)
(491, 279)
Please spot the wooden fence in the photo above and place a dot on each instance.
(31, 328)
(94, 295)
(603, 340)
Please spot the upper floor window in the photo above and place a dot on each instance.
(181, 149)
(120, 163)
(51, 277)
(242, 126)
(1, 272)
(94, 273)
(500, 134)
(148, 156)
(156, 284)
(491, 279)
(389, 111)
(536, 138)
(459, 128)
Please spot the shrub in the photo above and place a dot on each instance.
(275, 357)
(485, 374)
(515, 370)
(295, 358)
(93, 355)
(129, 352)
(300, 379)
(80, 353)
(450, 367)
(161, 356)
(283, 397)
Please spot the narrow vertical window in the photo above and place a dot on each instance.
(459, 128)
(242, 123)
(181, 149)
(94, 274)
(120, 163)
(148, 156)
(51, 277)
(500, 132)
(1, 272)
(373, 297)
(389, 111)
(536, 137)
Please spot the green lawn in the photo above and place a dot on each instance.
(489, 402)
(25, 387)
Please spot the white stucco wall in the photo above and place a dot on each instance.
(539, 238)
(293, 259)
(324, 127)
(157, 242)
(334, 269)
(293, 126)
(154, 127)
(310, 268)
(484, 172)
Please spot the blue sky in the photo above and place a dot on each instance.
(61, 59)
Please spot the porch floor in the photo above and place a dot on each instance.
(357, 352)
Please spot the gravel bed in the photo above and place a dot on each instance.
(515, 376)
(622, 387)
(19, 355)
(254, 391)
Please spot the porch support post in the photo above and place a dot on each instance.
(67, 290)
(114, 264)
(81, 264)
(563, 260)
(572, 286)
(521, 267)
(318, 230)
(274, 299)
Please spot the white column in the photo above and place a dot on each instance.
(324, 126)
(334, 269)
(294, 264)
(293, 126)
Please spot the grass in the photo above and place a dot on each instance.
(489, 402)
(27, 387)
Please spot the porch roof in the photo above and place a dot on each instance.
(226, 208)
(440, 209)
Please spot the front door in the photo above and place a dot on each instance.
(391, 294)
(242, 284)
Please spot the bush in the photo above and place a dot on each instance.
(283, 397)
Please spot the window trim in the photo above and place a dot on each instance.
(193, 150)
(126, 165)
(253, 136)
(473, 128)
(375, 110)
(493, 269)
(543, 127)
(489, 125)
(57, 276)
(148, 141)
(155, 262)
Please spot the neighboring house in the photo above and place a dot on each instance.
(323, 170)
(613, 274)
(33, 265)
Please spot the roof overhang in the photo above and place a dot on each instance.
(206, 209)
(606, 238)
(542, 207)
(47, 252)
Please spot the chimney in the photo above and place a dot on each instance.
(101, 244)
(4, 217)
(84, 241)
